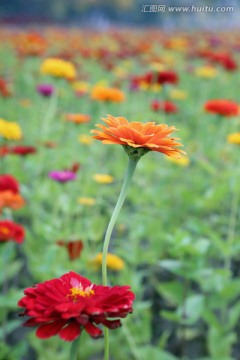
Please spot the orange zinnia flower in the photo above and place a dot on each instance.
(102, 93)
(30, 44)
(222, 107)
(133, 135)
(11, 200)
(77, 118)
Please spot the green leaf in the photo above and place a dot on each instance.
(192, 309)
(172, 291)
(10, 271)
(220, 343)
(8, 327)
(149, 352)
(171, 264)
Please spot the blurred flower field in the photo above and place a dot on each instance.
(176, 242)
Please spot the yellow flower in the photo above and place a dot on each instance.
(85, 139)
(168, 59)
(103, 178)
(157, 66)
(177, 43)
(25, 103)
(86, 201)
(128, 64)
(120, 72)
(207, 72)
(234, 138)
(144, 85)
(184, 161)
(154, 87)
(80, 86)
(178, 94)
(10, 130)
(102, 82)
(114, 262)
(59, 68)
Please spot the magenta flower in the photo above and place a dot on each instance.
(62, 175)
(45, 89)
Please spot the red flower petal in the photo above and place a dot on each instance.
(70, 332)
(47, 330)
(114, 324)
(93, 330)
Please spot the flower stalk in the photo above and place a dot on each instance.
(132, 163)
(74, 349)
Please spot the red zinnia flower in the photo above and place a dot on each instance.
(167, 77)
(222, 107)
(165, 106)
(150, 78)
(4, 150)
(23, 150)
(11, 231)
(71, 303)
(74, 248)
(4, 88)
(8, 183)
(74, 167)
(225, 60)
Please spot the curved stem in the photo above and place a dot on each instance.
(132, 163)
(127, 180)
(74, 348)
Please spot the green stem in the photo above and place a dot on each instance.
(49, 115)
(132, 163)
(233, 218)
(74, 348)
(106, 344)
(126, 183)
(230, 235)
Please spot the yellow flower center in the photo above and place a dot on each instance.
(77, 291)
(4, 230)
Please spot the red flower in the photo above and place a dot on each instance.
(23, 150)
(222, 107)
(150, 78)
(74, 248)
(71, 303)
(165, 106)
(74, 167)
(8, 183)
(4, 88)
(225, 60)
(11, 231)
(167, 77)
(4, 150)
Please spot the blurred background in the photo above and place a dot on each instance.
(102, 14)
